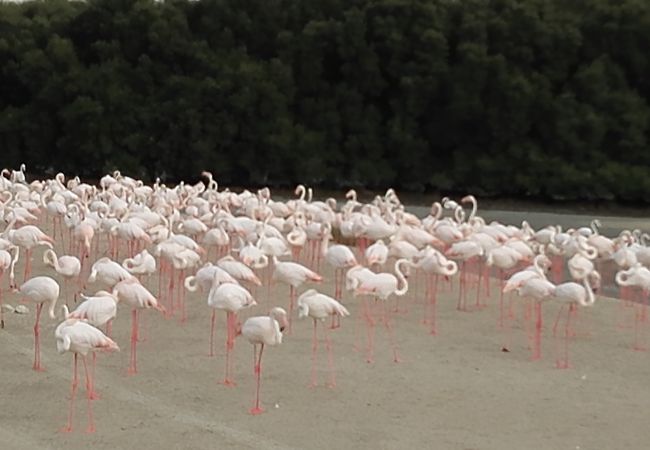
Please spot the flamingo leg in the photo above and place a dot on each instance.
(563, 363)
(257, 368)
(427, 299)
(89, 385)
(37, 340)
(537, 339)
(230, 343)
(292, 300)
(330, 359)
(28, 264)
(134, 340)
(314, 352)
(2, 314)
(434, 300)
(73, 389)
(371, 334)
(181, 295)
(391, 334)
(212, 322)
(93, 393)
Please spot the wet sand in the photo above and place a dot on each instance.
(455, 390)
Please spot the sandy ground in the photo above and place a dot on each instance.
(455, 390)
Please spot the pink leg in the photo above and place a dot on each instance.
(28, 258)
(564, 362)
(37, 340)
(371, 334)
(230, 343)
(2, 315)
(75, 382)
(434, 300)
(639, 311)
(94, 395)
(314, 351)
(257, 367)
(89, 383)
(391, 335)
(181, 295)
(212, 321)
(461, 286)
(330, 359)
(292, 300)
(537, 340)
(134, 340)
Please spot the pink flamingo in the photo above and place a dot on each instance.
(463, 251)
(432, 262)
(636, 276)
(230, 298)
(7, 261)
(294, 275)
(68, 267)
(381, 285)
(28, 237)
(538, 289)
(40, 290)
(138, 297)
(312, 303)
(263, 330)
(573, 294)
(78, 337)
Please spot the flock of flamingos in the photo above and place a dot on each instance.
(232, 247)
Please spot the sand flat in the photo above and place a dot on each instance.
(456, 390)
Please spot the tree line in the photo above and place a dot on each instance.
(519, 98)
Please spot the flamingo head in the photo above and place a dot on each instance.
(280, 315)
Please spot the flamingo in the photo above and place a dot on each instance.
(376, 253)
(538, 289)
(204, 277)
(573, 294)
(108, 272)
(294, 275)
(463, 251)
(67, 266)
(312, 303)
(230, 298)
(98, 310)
(381, 285)
(78, 337)
(138, 297)
(637, 276)
(263, 330)
(40, 290)
(7, 261)
(28, 237)
(432, 262)
(338, 256)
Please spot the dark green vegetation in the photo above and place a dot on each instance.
(539, 98)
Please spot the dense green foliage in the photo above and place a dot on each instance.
(543, 98)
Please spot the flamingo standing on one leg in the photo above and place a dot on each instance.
(263, 330)
(320, 306)
(40, 290)
(138, 297)
(78, 337)
(231, 298)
